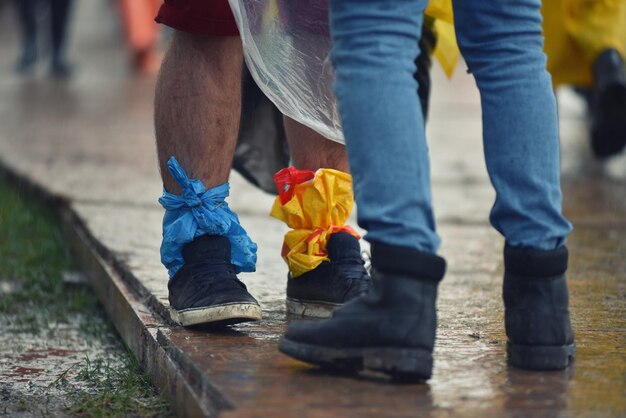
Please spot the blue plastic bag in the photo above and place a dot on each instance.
(198, 211)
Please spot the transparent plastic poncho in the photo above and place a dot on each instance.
(287, 46)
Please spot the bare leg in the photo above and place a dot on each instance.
(197, 112)
(310, 151)
(198, 107)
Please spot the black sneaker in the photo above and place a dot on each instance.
(206, 289)
(608, 105)
(536, 315)
(391, 329)
(331, 284)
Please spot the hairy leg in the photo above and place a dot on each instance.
(310, 150)
(198, 107)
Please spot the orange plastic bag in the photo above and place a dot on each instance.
(316, 205)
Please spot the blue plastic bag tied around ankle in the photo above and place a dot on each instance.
(198, 211)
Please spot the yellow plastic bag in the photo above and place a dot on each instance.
(440, 9)
(315, 205)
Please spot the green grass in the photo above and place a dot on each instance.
(32, 258)
(121, 390)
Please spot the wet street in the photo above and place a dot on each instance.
(90, 142)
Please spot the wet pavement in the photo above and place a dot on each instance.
(90, 141)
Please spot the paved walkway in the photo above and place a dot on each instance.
(90, 142)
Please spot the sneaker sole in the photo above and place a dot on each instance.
(539, 358)
(310, 308)
(228, 314)
(402, 364)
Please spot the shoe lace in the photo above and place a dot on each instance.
(355, 276)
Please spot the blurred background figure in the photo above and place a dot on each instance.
(141, 33)
(32, 15)
(585, 42)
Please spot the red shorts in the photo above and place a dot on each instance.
(200, 17)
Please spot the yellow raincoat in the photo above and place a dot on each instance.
(446, 50)
(576, 31)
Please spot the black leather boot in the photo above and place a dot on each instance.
(391, 329)
(608, 105)
(537, 319)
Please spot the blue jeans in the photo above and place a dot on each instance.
(375, 43)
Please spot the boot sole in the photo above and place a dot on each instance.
(310, 308)
(540, 357)
(402, 364)
(227, 314)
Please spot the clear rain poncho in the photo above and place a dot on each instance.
(287, 45)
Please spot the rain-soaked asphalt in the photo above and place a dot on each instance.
(91, 140)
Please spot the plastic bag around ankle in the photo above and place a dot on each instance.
(198, 211)
(315, 205)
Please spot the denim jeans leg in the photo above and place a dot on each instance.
(502, 43)
(375, 43)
